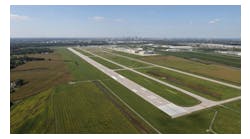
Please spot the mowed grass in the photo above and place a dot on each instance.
(233, 61)
(101, 61)
(216, 71)
(200, 87)
(83, 52)
(221, 121)
(124, 53)
(120, 60)
(80, 69)
(197, 122)
(40, 75)
(160, 89)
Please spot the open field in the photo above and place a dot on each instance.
(198, 86)
(30, 115)
(215, 71)
(203, 88)
(40, 75)
(207, 69)
(80, 69)
(80, 95)
(208, 58)
(168, 93)
(197, 122)
(69, 108)
(87, 111)
(123, 61)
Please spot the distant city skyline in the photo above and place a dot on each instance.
(126, 21)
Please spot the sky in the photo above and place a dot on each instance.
(126, 21)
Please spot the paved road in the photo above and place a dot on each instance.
(159, 102)
(182, 72)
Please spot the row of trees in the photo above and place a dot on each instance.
(19, 60)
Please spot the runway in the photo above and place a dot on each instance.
(156, 100)
(164, 105)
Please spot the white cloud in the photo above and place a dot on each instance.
(18, 17)
(98, 18)
(214, 21)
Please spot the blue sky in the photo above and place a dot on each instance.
(126, 21)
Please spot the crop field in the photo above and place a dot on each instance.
(83, 107)
(215, 71)
(70, 109)
(168, 93)
(201, 87)
(95, 103)
(208, 58)
(30, 116)
(40, 75)
(87, 110)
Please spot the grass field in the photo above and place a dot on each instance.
(80, 69)
(197, 122)
(215, 71)
(40, 75)
(79, 108)
(106, 63)
(87, 110)
(208, 69)
(208, 58)
(70, 109)
(78, 102)
(168, 93)
(201, 87)
(123, 61)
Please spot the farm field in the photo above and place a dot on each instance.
(51, 112)
(88, 111)
(211, 70)
(201, 87)
(45, 74)
(70, 109)
(168, 93)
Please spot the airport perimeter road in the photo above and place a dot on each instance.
(159, 102)
(182, 72)
(205, 103)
